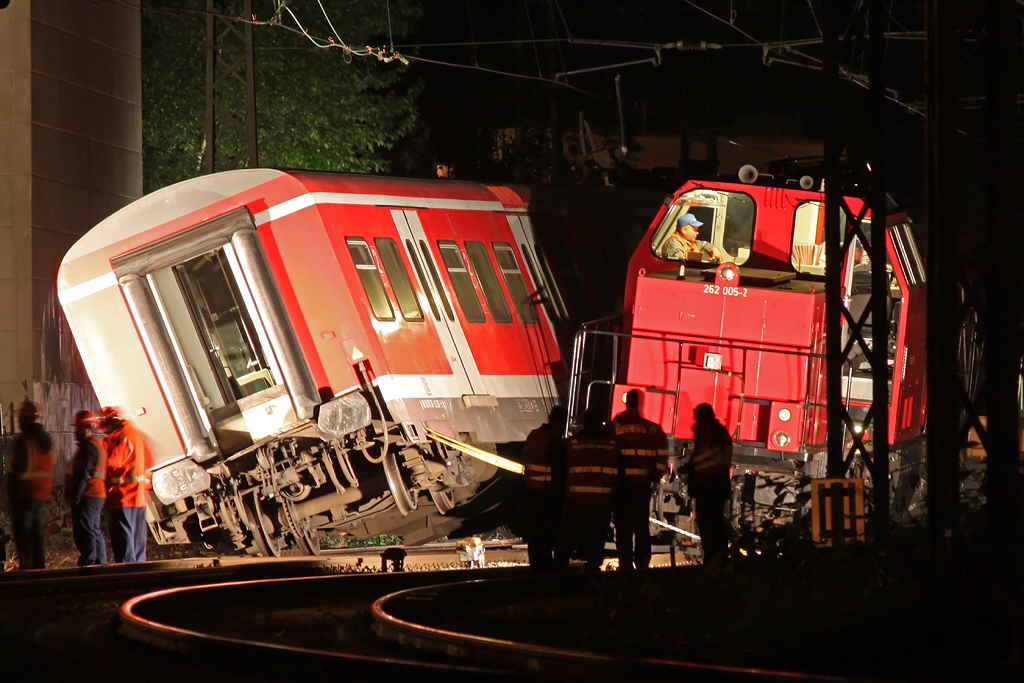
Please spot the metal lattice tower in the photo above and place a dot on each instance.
(230, 88)
(839, 130)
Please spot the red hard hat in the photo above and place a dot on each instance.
(110, 413)
(85, 418)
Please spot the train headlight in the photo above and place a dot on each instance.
(781, 438)
(728, 272)
(178, 480)
(342, 416)
(785, 414)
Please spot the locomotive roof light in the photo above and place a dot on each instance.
(781, 438)
(727, 273)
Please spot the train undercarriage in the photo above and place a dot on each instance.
(284, 493)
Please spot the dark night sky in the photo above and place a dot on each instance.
(726, 92)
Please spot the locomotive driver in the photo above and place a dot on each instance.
(683, 243)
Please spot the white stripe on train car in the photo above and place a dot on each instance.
(307, 200)
(290, 206)
(445, 386)
(87, 288)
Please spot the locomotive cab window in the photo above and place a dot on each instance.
(362, 259)
(808, 252)
(706, 225)
(461, 281)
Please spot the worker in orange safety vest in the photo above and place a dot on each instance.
(29, 484)
(644, 448)
(128, 460)
(544, 488)
(85, 490)
(591, 478)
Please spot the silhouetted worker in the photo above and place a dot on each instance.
(86, 490)
(29, 483)
(591, 477)
(708, 481)
(127, 483)
(544, 488)
(644, 449)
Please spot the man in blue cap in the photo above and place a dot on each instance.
(684, 242)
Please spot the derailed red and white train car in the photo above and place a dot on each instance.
(309, 351)
(745, 332)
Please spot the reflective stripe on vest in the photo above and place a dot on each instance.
(644, 447)
(535, 455)
(593, 470)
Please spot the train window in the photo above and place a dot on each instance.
(359, 250)
(461, 281)
(488, 282)
(437, 280)
(514, 281)
(808, 252)
(423, 278)
(555, 302)
(909, 256)
(399, 276)
(722, 227)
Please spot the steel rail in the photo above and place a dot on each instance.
(150, 619)
(395, 617)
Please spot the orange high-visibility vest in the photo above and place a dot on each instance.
(37, 479)
(644, 447)
(535, 454)
(96, 480)
(127, 462)
(593, 471)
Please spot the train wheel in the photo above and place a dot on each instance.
(307, 540)
(261, 526)
(404, 499)
(443, 500)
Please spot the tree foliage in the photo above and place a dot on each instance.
(316, 109)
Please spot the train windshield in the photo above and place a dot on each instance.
(706, 225)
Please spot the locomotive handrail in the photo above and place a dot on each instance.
(576, 381)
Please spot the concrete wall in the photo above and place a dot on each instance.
(70, 155)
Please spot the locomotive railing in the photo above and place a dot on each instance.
(592, 344)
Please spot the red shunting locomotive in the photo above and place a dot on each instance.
(737, 320)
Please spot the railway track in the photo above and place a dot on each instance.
(424, 623)
(59, 622)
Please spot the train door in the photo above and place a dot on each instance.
(906, 339)
(450, 332)
(906, 418)
(216, 332)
